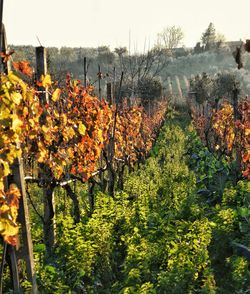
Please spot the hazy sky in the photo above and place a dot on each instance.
(91, 23)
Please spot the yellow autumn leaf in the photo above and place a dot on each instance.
(43, 152)
(247, 131)
(100, 136)
(56, 95)
(56, 113)
(16, 97)
(1, 186)
(48, 138)
(4, 208)
(16, 80)
(13, 153)
(1, 226)
(8, 229)
(16, 123)
(46, 81)
(70, 152)
(81, 128)
(32, 122)
(30, 96)
(25, 111)
(4, 112)
(6, 99)
(6, 168)
(14, 213)
(58, 170)
(68, 133)
(64, 119)
(45, 129)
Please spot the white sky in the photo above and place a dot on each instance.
(91, 23)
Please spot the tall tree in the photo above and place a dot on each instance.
(209, 37)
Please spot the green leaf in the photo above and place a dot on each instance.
(243, 211)
(39, 248)
(50, 269)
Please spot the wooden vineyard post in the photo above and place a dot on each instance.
(110, 102)
(109, 93)
(114, 86)
(99, 82)
(48, 187)
(85, 71)
(41, 69)
(27, 249)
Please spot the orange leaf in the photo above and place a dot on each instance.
(246, 156)
(23, 67)
(12, 240)
(246, 173)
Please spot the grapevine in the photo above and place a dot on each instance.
(65, 137)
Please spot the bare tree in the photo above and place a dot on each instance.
(138, 68)
(170, 38)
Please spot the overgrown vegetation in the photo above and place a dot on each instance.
(175, 228)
